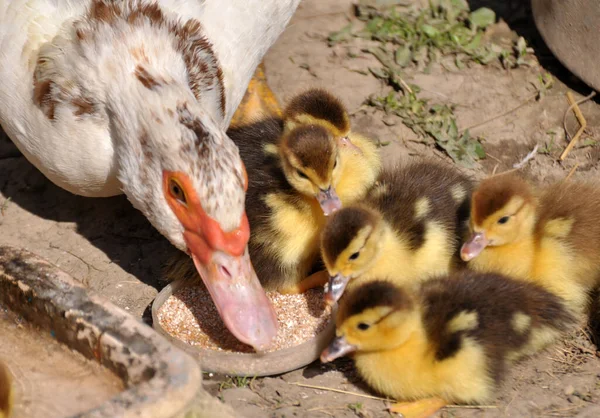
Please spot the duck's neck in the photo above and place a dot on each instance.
(241, 32)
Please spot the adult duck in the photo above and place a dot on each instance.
(134, 96)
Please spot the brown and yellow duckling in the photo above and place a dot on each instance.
(300, 170)
(445, 340)
(6, 397)
(409, 228)
(549, 236)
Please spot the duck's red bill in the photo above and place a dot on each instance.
(240, 299)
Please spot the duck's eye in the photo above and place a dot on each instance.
(354, 256)
(176, 191)
(503, 220)
(363, 327)
(301, 175)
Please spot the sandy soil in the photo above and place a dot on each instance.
(110, 247)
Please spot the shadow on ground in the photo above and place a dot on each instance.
(110, 224)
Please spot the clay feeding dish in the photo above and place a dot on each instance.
(188, 325)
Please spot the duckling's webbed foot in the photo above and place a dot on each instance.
(259, 101)
(317, 279)
(423, 408)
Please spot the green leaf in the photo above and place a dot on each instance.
(343, 34)
(479, 151)
(403, 56)
(482, 17)
(378, 72)
(475, 42)
(521, 47)
(430, 31)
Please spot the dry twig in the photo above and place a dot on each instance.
(582, 122)
(377, 398)
(571, 172)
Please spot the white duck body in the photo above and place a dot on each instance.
(134, 96)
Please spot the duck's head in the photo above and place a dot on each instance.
(502, 212)
(311, 164)
(189, 181)
(375, 316)
(350, 244)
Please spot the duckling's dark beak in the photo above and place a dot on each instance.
(335, 289)
(473, 246)
(239, 298)
(339, 347)
(329, 201)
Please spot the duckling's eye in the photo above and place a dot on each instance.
(335, 163)
(301, 174)
(363, 327)
(177, 192)
(354, 256)
(503, 220)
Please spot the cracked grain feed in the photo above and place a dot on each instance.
(190, 315)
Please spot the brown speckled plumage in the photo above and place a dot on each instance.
(204, 72)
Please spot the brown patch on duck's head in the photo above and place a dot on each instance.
(495, 193)
(204, 72)
(146, 78)
(319, 105)
(313, 148)
(342, 229)
(376, 294)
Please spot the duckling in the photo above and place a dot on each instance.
(300, 172)
(410, 227)
(549, 236)
(448, 339)
(6, 398)
(362, 161)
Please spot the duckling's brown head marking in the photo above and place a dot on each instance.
(311, 164)
(495, 193)
(376, 294)
(375, 316)
(318, 105)
(502, 212)
(312, 147)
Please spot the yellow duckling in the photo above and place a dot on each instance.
(550, 236)
(446, 340)
(6, 398)
(409, 228)
(299, 173)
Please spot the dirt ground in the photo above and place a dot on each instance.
(111, 247)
